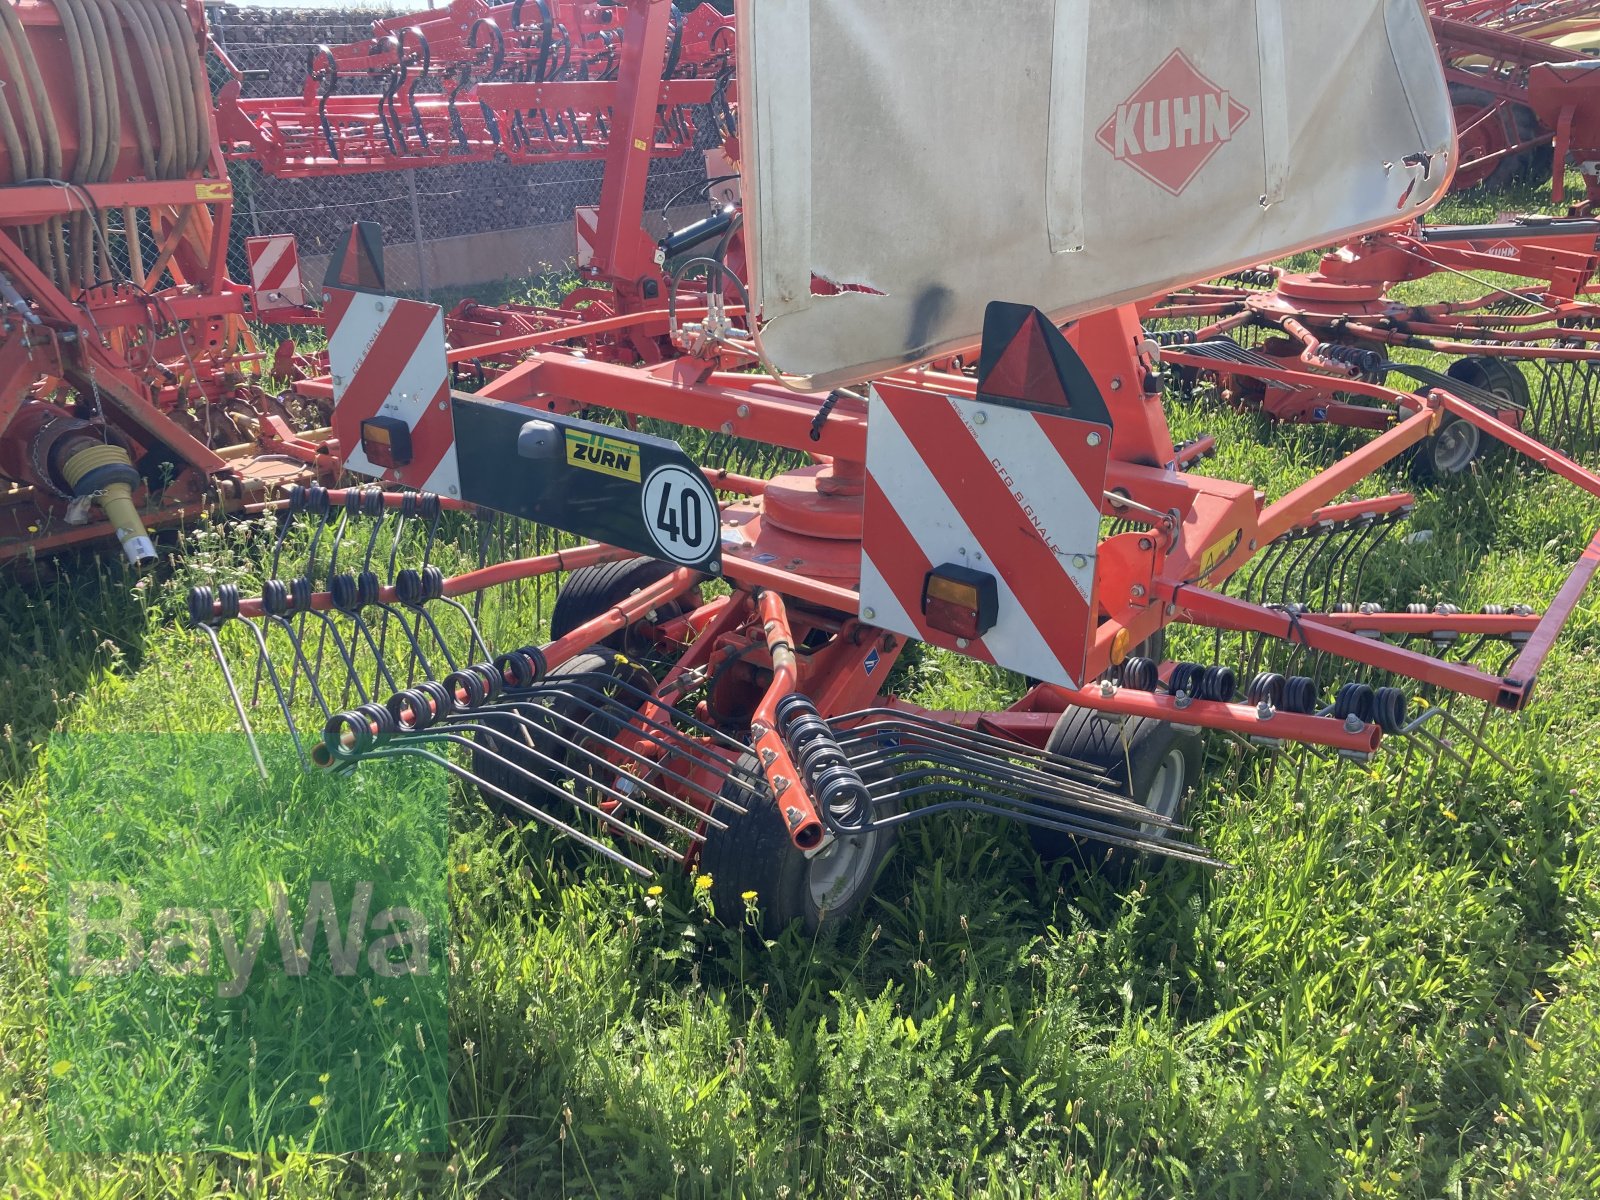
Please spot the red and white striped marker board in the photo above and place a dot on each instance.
(275, 271)
(387, 359)
(1009, 491)
(586, 224)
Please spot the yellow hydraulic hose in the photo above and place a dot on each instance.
(176, 93)
(38, 127)
(134, 18)
(141, 122)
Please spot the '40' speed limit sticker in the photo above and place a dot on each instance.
(681, 514)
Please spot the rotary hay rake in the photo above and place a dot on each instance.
(1524, 105)
(621, 84)
(1028, 509)
(1522, 348)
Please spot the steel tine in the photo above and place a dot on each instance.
(264, 657)
(564, 766)
(415, 654)
(549, 787)
(301, 663)
(533, 813)
(674, 742)
(233, 692)
(330, 629)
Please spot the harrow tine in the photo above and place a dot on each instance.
(563, 766)
(264, 658)
(1365, 540)
(233, 693)
(415, 654)
(1062, 784)
(961, 772)
(380, 667)
(301, 663)
(892, 719)
(475, 636)
(674, 743)
(1049, 819)
(528, 810)
(328, 628)
(1443, 715)
(977, 772)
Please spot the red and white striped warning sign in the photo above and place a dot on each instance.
(387, 359)
(275, 270)
(586, 224)
(1009, 492)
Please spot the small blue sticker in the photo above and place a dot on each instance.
(872, 660)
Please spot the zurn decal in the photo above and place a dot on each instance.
(608, 456)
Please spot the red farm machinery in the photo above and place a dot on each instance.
(134, 392)
(1526, 98)
(128, 367)
(924, 462)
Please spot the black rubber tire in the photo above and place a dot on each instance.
(1132, 756)
(598, 660)
(755, 854)
(1441, 456)
(1513, 167)
(1496, 375)
(590, 591)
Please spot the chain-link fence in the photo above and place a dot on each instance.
(445, 227)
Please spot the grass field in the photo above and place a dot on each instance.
(1393, 992)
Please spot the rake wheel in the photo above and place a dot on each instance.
(590, 591)
(520, 741)
(755, 854)
(1459, 444)
(1154, 762)
(1490, 136)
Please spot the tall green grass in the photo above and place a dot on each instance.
(1393, 992)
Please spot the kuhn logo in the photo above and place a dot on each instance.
(1172, 124)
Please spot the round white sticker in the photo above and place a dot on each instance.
(681, 514)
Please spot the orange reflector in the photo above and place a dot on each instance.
(960, 601)
(386, 441)
(1119, 647)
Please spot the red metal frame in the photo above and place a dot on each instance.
(1170, 572)
(156, 352)
(525, 83)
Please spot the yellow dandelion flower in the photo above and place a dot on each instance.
(462, 869)
(748, 897)
(702, 883)
(379, 1001)
(315, 1102)
(654, 890)
(60, 1067)
(323, 1078)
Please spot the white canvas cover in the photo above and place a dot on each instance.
(929, 156)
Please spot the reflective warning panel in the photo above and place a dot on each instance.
(597, 481)
(981, 519)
